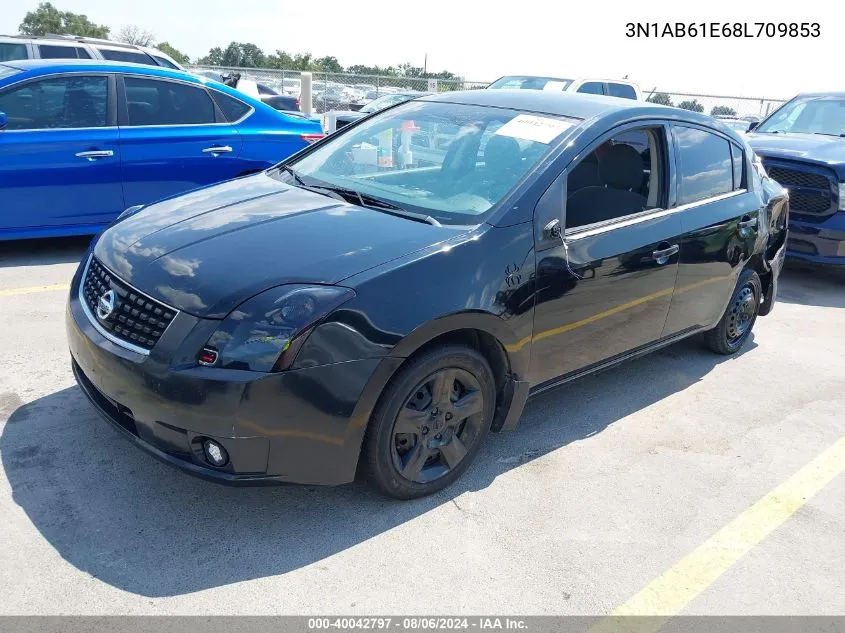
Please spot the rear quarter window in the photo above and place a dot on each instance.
(621, 90)
(232, 109)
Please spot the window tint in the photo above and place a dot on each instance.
(233, 109)
(154, 102)
(621, 90)
(739, 165)
(62, 102)
(165, 62)
(592, 88)
(622, 176)
(134, 57)
(705, 164)
(50, 51)
(10, 52)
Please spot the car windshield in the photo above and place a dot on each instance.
(448, 161)
(7, 71)
(382, 102)
(808, 115)
(525, 82)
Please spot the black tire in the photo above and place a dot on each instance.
(736, 323)
(439, 444)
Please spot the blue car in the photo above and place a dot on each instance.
(802, 147)
(80, 141)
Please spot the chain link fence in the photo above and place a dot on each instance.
(750, 108)
(344, 91)
(340, 91)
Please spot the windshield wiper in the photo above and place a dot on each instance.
(372, 202)
(361, 199)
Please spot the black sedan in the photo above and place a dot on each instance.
(364, 308)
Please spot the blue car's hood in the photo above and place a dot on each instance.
(207, 251)
(813, 148)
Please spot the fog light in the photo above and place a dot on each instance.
(215, 453)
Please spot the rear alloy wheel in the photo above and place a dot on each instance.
(430, 422)
(735, 326)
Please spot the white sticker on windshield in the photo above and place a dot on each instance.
(534, 128)
(556, 85)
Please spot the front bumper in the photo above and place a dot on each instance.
(302, 426)
(818, 242)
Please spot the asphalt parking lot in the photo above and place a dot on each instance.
(613, 487)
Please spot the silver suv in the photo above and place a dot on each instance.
(14, 47)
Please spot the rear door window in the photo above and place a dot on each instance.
(125, 55)
(706, 168)
(55, 103)
(157, 102)
(57, 51)
(11, 51)
(621, 90)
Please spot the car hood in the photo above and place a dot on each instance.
(814, 148)
(207, 251)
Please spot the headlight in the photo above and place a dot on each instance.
(842, 196)
(265, 332)
(129, 211)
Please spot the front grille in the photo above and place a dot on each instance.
(810, 189)
(787, 177)
(135, 319)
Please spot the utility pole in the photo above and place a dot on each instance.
(425, 64)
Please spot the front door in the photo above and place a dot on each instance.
(59, 155)
(606, 290)
(172, 139)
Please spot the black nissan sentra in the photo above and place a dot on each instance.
(383, 299)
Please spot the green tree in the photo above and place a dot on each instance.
(243, 55)
(329, 64)
(722, 111)
(693, 105)
(175, 53)
(214, 57)
(660, 98)
(132, 34)
(48, 19)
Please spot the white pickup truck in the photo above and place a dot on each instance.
(609, 87)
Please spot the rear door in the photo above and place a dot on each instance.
(606, 290)
(59, 155)
(720, 219)
(173, 138)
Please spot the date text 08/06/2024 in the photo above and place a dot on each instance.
(722, 29)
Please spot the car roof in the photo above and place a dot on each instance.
(41, 66)
(577, 105)
(834, 93)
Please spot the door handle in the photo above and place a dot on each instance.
(95, 154)
(217, 149)
(662, 256)
(747, 222)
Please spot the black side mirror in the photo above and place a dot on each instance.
(4, 120)
(753, 125)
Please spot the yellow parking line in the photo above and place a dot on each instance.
(11, 292)
(672, 591)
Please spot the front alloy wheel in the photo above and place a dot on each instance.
(430, 422)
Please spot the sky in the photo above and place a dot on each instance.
(484, 40)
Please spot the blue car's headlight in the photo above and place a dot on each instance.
(265, 332)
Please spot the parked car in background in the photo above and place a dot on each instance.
(337, 119)
(739, 124)
(802, 146)
(587, 85)
(17, 47)
(80, 141)
(357, 310)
